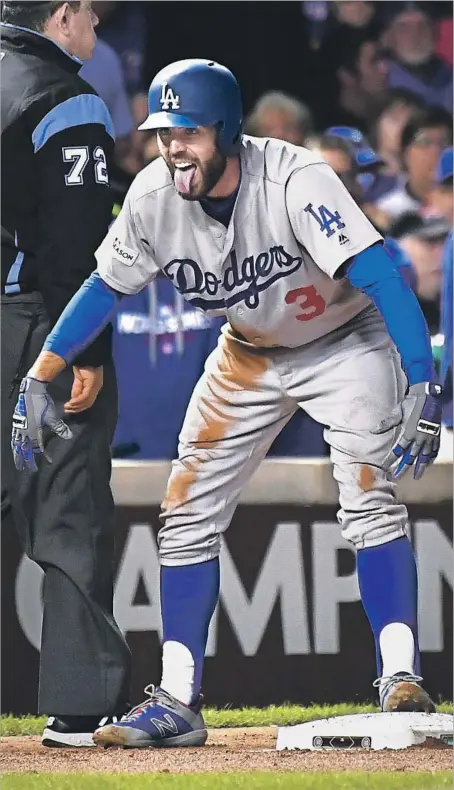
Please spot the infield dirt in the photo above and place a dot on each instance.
(227, 750)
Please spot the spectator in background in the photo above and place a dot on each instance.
(410, 38)
(351, 95)
(278, 115)
(423, 238)
(398, 107)
(423, 139)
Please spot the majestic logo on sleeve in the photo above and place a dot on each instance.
(169, 99)
(239, 282)
(326, 219)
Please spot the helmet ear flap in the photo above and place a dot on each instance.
(218, 129)
(234, 144)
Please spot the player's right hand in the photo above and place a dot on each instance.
(34, 411)
(419, 439)
(87, 384)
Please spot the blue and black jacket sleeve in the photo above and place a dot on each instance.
(73, 142)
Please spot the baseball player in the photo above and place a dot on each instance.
(318, 317)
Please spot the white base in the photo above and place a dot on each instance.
(367, 731)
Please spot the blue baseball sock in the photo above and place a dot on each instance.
(389, 591)
(189, 594)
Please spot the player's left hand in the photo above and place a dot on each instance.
(420, 436)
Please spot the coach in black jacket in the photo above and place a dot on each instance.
(57, 145)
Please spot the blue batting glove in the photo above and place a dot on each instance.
(421, 426)
(34, 410)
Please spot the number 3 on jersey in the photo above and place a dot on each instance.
(308, 300)
(80, 156)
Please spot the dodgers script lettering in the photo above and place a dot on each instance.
(239, 282)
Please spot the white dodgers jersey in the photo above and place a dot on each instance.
(273, 271)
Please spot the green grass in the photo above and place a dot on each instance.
(279, 715)
(256, 781)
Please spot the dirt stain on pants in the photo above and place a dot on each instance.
(237, 370)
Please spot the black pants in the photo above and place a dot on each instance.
(64, 517)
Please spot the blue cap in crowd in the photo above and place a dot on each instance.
(444, 169)
(362, 152)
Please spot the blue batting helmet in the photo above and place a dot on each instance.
(197, 92)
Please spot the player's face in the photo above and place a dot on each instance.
(193, 159)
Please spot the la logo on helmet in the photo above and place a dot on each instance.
(168, 98)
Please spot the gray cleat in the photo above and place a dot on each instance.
(159, 721)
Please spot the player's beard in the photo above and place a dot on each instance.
(208, 174)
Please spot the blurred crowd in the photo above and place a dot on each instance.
(367, 85)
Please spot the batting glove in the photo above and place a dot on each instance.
(34, 410)
(420, 437)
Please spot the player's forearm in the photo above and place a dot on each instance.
(373, 272)
(47, 366)
(84, 318)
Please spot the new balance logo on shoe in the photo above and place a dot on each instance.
(343, 239)
(165, 724)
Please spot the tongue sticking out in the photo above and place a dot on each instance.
(183, 179)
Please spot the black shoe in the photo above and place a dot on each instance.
(74, 730)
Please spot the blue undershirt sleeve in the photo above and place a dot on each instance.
(83, 319)
(375, 273)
